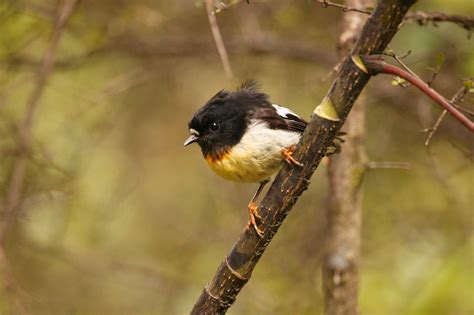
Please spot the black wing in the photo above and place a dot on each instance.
(279, 117)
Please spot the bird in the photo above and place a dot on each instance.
(244, 137)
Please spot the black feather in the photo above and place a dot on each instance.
(233, 111)
(250, 85)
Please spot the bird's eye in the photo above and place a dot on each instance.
(214, 126)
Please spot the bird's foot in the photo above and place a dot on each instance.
(335, 146)
(288, 156)
(254, 216)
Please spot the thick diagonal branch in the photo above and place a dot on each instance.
(290, 182)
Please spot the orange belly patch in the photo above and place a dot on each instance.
(238, 166)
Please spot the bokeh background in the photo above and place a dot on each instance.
(117, 217)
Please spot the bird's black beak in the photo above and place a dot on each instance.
(191, 139)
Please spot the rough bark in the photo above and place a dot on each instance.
(345, 172)
(290, 182)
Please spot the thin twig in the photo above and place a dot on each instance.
(455, 99)
(388, 165)
(423, 18)
(467, 111)
(420, 17)
(391, 53)
(435, 127)
(374, 65)
(344, 8)
(216, 33)
(224, 6)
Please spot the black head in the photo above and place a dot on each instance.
(223, 120)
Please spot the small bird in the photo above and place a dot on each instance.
(246, 138)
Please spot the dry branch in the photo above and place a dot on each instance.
(216, 33)
(290, 182)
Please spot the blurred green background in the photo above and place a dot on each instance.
(117, 217)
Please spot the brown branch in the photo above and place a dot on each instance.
(127, 43)
(17, 177)
(340, 268)
(455, 99)
(216, 33)
(420, 17)
(225, 6)
(344, 8)
(423, 18)
(388, 165)
(290, 182)
(383, 93)
(374, 65)
(398, 59)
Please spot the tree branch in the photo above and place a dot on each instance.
(454, 100)
(216, 33)
(290, 182)
(374, 65)
(128, 43)
(340, 268)
(423, 18)
(420, 17)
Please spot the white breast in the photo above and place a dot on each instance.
(257, 156)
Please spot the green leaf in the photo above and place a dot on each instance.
(398, 81)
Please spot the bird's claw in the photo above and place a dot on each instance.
(335, 146)
(254, 216)
(288, 156)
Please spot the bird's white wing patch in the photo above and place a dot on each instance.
(283, 111)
